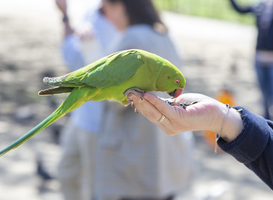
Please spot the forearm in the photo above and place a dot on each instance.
(239, 8)
(253, 146)
(62, 6)
(67, 27)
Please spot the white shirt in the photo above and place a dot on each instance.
(78, 54)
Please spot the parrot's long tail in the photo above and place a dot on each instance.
(73, 101)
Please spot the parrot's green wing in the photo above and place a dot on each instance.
(108, 71)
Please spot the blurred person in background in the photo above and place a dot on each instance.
(263, 12)
(135, 160)
(81, 46)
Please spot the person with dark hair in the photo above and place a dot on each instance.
(263, 11)
(134, 159)
(148, 12)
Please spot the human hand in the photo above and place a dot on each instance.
(62, 5)
(198, 116)
(207, 114)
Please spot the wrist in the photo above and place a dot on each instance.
(65, 18)
(232, 126)
(218, 112)
(67, 27)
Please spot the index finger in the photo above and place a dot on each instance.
(161, 106)
(148, 109)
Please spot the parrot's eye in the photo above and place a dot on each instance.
(176, 81)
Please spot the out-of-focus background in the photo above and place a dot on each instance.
(217, 46)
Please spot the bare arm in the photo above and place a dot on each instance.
(62, 5)
(240, 9)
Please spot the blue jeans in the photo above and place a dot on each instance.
(265, 78)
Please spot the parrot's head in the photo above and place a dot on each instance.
(170, 80)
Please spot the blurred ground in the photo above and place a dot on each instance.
(216, 54)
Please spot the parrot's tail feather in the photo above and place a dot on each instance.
(55, 90)
(73, 101)
(46, 122)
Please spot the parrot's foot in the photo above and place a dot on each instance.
(135, 91)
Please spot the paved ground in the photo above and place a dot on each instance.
(215, 54)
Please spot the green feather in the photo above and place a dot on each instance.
(55, 90)
(109, 71)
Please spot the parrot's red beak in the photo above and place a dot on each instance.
(176, 93)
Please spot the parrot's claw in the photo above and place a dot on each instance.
(135, 91)
(137, 111)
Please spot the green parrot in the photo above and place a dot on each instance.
(110, 78)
